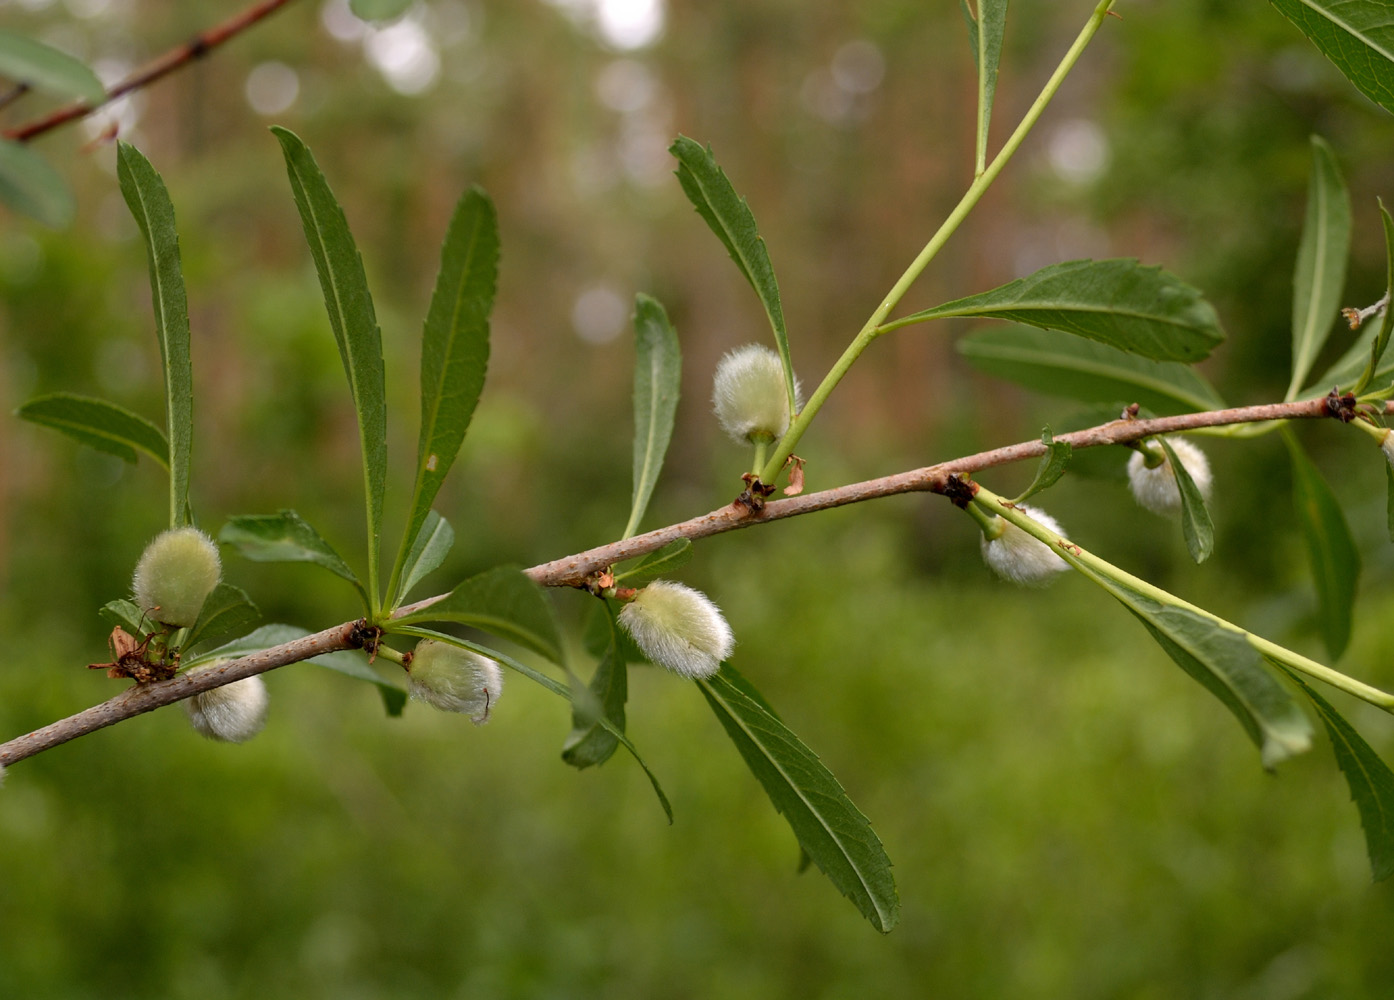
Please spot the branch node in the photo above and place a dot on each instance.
(1342, 407)
(960, 489)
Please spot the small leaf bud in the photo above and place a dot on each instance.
(454, 679)
(1020, 557)
(1155, 488)
(749, 396)
(233, 713)
(175, 574)
(678, 628)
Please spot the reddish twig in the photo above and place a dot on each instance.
(197, 47)
(572, 571)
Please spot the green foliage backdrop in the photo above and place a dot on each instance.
(1068, 814)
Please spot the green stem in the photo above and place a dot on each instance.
(871, 329)
(762, 446)
(1091, 565)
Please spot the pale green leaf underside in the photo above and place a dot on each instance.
(1320, 275)
(30, 186)
(433, 543)
(657, 378)
(98, 424)
(1356, 35)
(730, 218)
(987, 36)
(503, 602)
(1061, 364)
(665, 561)
(149, 203)
(29, 61)
(1334, 559)
(351, 317)
(1117, 302)
(828, 826)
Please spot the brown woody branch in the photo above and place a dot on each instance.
(572, 571)
(181, 55)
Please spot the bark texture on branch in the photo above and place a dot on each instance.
(573, 570)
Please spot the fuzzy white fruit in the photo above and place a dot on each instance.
(749, 395)
(1156, 489)
(454, 679)
(1022, 558)
(233, 713)
(678, 628)
(175, 574)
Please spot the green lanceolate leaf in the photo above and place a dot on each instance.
(1229, 667)
(1052, 466)
(1370, 780)
(352, 319)
(29, 185)
(1320, 276)
(986, 35)
(657, 378)
(1334, 558)
(1380, 344)
(379, 10)
(227, 609)
(1116, 302)
(1220, 658)
(1064, 365)
(28, 61)
(350, 664)
(432, 545)
(98, 424)
(1196, 526)
(127, 615)
(1356, 35)
(555, 687)
(726, 212)
(503, 602)
(828, 826)
(589, 742)
(664, 562)
(284, 537)
(454, 350)
(149, 203)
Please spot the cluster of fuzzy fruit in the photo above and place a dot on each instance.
(175, 574)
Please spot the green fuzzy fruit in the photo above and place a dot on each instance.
(176, 573)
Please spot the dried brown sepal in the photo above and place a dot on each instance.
(599, 582)
(755, 493)
(794, 466)
(129, 660)
(1131, 412)
(1352, 317)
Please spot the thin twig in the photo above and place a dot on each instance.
(572, 571)
(181, 55)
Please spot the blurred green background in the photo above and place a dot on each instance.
(1069, 815)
